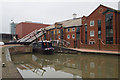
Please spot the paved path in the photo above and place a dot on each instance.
(96, 51)
(10, 71)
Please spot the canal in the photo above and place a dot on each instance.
(82, 65)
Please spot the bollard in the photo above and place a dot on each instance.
(3, 64)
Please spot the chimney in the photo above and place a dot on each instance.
(12, 21)
(74, 15)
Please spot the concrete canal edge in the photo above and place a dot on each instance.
(10, 70)
(58, 49)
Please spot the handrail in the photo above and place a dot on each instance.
(25, 37)
(102, 43)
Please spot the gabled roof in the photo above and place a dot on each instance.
(108, 8)
(71, 22)
(111, 9)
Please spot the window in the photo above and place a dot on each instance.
(91, 23)
(68, 30)
(85, 34)
(91, 42)
(92, 65)
(99, 28)
(44, 36)
(58, 37)
(55, 34)
(109, 28)
(73, 36)
(73, 29)
(78, 29)
(59, 31)
(78, 36)
(61, 35)
(52, 32)
(68, 36)
(99, 32)
(92, 75)
(91, 33)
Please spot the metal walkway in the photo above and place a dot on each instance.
(32, 36)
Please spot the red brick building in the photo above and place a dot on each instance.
(25, 28)
(66, 31)
(101, 29)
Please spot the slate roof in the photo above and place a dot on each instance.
(71, 22)
(50, 27)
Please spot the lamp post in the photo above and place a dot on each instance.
(99, 43)
(12, 27)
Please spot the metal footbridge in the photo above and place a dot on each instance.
(34, 35)
(31, 37)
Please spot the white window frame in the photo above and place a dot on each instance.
(99, 32)
(59, 37)
(59, 31)
(68, 37)
(92, 33)
(91, 42)
(74, 36)
(92, 21)
(92, 65)
(73, 29)
(68, 29)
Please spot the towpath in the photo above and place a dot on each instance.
(10, 70)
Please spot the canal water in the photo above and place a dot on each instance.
(82, 65)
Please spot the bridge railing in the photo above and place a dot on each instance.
(32, 36)
(61, 43)
(27, 36)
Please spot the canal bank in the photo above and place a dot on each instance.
(10, 70)
(78, 51)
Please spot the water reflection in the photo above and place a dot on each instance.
(66, 65)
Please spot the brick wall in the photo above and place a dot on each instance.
(25, 28)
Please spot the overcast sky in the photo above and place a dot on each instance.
(46, 12)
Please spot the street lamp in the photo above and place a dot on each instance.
(99, 43)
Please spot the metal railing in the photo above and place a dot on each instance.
(32, 36)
